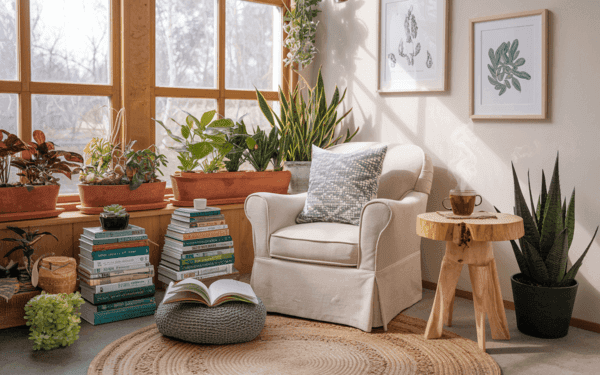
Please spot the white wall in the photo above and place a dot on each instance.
(347, 41)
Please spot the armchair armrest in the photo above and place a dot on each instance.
(268, 213)
(387, 230)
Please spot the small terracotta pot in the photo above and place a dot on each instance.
(104, 195)
(53, 279)
(18, 199)
(226, 187)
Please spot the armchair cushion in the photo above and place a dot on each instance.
(341, 184)
(330, 244)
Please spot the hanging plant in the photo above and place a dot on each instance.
(301, 29)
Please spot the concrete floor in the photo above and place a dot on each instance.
(578, 353)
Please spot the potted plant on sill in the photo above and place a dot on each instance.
(36, 195)
(544, 291)
(302, 123)
(218, 148)
(121, 175)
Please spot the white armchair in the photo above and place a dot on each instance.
(361, 276)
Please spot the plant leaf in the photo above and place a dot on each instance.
(18, 231)
(521, 261)
(516, 84)
(492, 72)
(200, 150)
(502, 90)
(493, 81)
(537, 267)
(519, 62)
(513, 48)
(522, 75)
(556, 257)
(207, 118)
(492, 57)
(570, 218)
(542, 210)
(573, 271)
(533, 214)
(553, 223)
(531, 232)
(264, 107)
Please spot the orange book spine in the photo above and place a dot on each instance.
(200, 235)
(120, 245)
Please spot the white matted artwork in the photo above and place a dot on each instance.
(413, 43)
(509, 66)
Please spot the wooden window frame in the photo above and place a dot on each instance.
(220, 93)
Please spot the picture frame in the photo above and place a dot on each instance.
(413, 46)
(508, 75)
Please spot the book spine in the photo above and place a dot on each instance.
(103, 241)
(112, 246)
(120, 253)
(116, 279)
(197, 248)
(199, 244)
(207, 264)
(114, 262)
(122, 285)
(117, 316)
(196, 213)
(133, 302)
(114, 233)
(196, 230)
(198, 224)
(205, 259)
(202, 235)
(119, 295)
(166, 279)
(207, 272)
(174, 254)
(101, 272)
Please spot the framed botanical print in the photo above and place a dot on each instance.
(413, 45)
(509, 66)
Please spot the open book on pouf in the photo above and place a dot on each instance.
(221, 291)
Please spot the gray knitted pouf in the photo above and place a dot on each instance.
(229, 323)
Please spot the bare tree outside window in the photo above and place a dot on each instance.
(8, 40)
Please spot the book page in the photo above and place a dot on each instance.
(232, 290)
(189, 285)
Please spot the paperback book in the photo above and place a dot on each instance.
(120, 295)
(114, 253)
(96, 273)
(115, 279)
(83, 244)
(178, 267)
(124, 313)
(110, 240)
(180, 255)
(180, 275)
(179, 229)
(98, 232)
(192, 212)
(117, 305)
(105, 288)
(117, 262)
(185, 220)
(197, 235)
(179, 245)
(197, 261)
(221, 291)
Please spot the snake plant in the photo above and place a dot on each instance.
(303, 123)
(549, 227)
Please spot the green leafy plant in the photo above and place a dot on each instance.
(549, 229)
(262, 149)
(202, 143)
(505, 65)
(8, 147)
(301, 28)
(142, 166)
(25, 243)
(44, 161)
(304, 122)
(237, 138)
(114, 210)
(53, 319)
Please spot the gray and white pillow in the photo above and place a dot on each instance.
(340, 184)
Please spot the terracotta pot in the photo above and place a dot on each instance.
(58, 275)
(226, 187)
(104, 195)
(18, 199)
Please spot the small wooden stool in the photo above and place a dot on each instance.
(468, 241)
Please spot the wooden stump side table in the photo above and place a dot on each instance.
(468, 241)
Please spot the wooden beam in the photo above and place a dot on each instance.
(53, 88)
(137, 76)
(175, 92)
(249, 95)
(10, 87)
(278, 3)
(24, 45)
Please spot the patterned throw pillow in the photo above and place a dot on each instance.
(340, 184)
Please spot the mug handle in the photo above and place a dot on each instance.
(480, 200)
(446, 199)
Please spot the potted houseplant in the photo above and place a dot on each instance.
(217, 148)
(28, 238)
(121, 175)
(305, 120)
(545, 289)
(36, 195)
(114, 217)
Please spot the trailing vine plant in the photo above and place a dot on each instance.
(301, 28)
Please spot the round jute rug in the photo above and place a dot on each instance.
(295, 346)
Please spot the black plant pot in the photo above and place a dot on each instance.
(541, 311)
(114, 223)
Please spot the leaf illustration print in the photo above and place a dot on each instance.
(504, 67)
(411, 30)
(429, 62)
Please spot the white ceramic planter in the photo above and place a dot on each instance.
(300, 173)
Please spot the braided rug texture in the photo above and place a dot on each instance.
(295, 346)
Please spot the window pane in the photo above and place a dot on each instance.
(254, 117)
(168, 108)
(186, 43)
(253, 46)
(70, 41)
(70, 122)
(9, 112)
(8, 40)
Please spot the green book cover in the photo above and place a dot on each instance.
(120, 253)
(118, 295)
(205, 264)
(102, 241)
(123, 314)
(206, 259)
(133, 302)
(202, 241)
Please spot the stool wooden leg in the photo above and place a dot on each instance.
(449, 311)
(444, 297)
(479, 282)
(495, 306)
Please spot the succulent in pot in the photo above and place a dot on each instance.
(114, 217)
(544, 291)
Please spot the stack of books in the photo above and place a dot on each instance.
(115, 274)
(197, 245)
